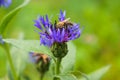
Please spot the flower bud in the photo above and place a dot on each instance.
(59, 50)
(42, 61)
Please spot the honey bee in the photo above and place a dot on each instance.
(64, 23)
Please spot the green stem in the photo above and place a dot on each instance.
(10, 62)
(57, 71)
(58, 63)
(41, 76)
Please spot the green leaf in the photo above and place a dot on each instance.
(68, 77)
(20, 50)
(34, 45)
(69, 60)
(28, 45)
(19, 58)
(4, 23)
(97, 75)
(2, 63)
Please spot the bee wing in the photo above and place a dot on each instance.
(67, 19)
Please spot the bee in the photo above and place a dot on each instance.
(64, 23)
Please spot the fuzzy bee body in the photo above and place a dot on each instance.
(64, 23)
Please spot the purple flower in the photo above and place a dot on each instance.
(5, 3)
(59, 32)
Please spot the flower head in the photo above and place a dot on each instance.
(37, 57)
(42, 61)
(5, 3)
(59, 32)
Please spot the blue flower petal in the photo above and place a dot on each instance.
(38, 25)
(62, 35)
(46, 40)
(5, 3)
(62, 15)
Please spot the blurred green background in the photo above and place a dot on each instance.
(99, 20)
